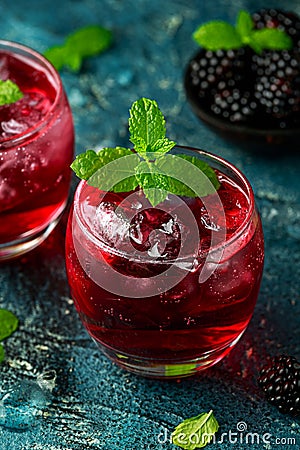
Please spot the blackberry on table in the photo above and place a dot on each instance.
(280, 380)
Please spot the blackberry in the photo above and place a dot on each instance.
(280, 380)
(208, 68)
(261, 91)
(220, 81)
(234, 104)
(277, 86)
(275, 18)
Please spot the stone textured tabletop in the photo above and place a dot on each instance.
(96, 405)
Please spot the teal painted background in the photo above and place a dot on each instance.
(96, 405)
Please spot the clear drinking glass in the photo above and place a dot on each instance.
(166, 291)
(36, 150)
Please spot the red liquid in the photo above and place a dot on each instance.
(36, 150)
(191, 319)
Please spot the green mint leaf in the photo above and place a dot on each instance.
(57, 55)
(86, 164)
(9, 92)
(195, 432)
(184, 178)
(105, 168)
(117, 174)
(90, 40)
(206, 169)
(161, 146)
(146, 126)
(85, 42)
(2, 354)
(61, 56)
(271, 39)
(170, 165)
(217, 35)
(244, 25)
(153, 182)
(148, 166)
(8, 323)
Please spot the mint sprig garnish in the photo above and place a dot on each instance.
(85, 42)
(8, 324)
(191, 165)
(9, 92)
(219, 35)
(153, 181)
(87, 165)
(195, 432)
(149, 165)
(147, 129)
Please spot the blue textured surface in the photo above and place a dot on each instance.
(96, 405)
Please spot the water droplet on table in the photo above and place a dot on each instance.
(22, 405)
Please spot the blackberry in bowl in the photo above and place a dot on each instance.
(245, 79)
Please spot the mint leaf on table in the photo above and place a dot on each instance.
(2, 353)
(9, 92)
(195, 432)
(219, 35)
(149, 165)
(89, 40)
(61, 56)
(8, 323)
(85, 42)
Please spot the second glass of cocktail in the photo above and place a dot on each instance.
(164, 261)
(36, 149)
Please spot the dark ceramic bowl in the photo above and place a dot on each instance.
(247, 133)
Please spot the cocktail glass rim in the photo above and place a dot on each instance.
(207, 155)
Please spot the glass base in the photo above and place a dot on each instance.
(17, 248)
(167, 369)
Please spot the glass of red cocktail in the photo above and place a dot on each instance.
(36, 149)
(166, 291)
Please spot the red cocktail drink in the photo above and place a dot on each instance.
(36, 149)
(167, 290)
